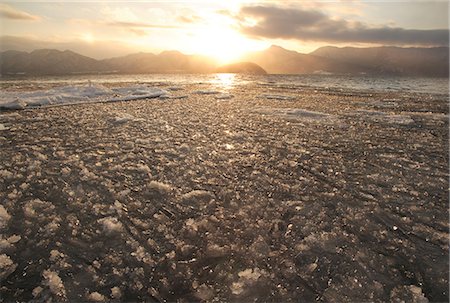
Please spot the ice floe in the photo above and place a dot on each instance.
(207, 92)
(383, 117)
(278, 97)
(76, 94)
(297, 114)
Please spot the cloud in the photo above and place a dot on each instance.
(189, 19)
(138, 25)
(312, 25)
(7, 11)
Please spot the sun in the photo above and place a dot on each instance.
(222, 43)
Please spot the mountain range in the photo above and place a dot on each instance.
(429, 62)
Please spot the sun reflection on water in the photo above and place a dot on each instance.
(225, 81)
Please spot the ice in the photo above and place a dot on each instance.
(96, 297)
(34, 208)
(116, 293)
(298, 114)
(159, 187)
(224, 96)
(4, 217)
(383, 117)
(207, 92)
(111, 225)
(7, 266)
(197, 196)
(76, 94)
(54, 282)
(278, 97)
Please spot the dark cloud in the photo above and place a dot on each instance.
(289, 23)
(7, 11)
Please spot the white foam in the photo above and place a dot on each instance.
(76, 94)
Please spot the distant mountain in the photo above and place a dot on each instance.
(54, 62)
(373, 61)
(242, 68)
(433, 62)
(166, 62)
(47, 62)
(277, 60)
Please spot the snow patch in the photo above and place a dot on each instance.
(54, 282)
(4, 217)
(76, 94)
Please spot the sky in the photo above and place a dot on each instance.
(221, 29)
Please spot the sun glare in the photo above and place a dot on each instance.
(88, 37)
(223, 43)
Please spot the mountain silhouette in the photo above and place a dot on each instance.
(430, 62)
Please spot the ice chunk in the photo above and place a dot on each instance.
(76, 94)
(204, 293)
(35, 207)
(224, 97)
(298, 114)
(7, 266)
(111, 225)
(116, 293)
(278, 97)
(409, 293)
(54, 282)
(96, 297)
(197, 196)
(4, 217)
(121, 118)
(159, 187)
(207, 92)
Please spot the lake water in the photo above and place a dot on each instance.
(358, 83)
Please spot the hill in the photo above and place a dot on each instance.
(242, 68)
(430, 62)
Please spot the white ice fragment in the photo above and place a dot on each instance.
(36, 207)
(7, 266)
(206, 92)
(278, 97)
(116, 293)
(76, 94)
(4, 217)
(111, 225)
(197, 196)
(14, 105)
(224, 96)
(96, 297)
(121, 118)
(250, 274)
(54, 282)
(5, 174)
(159, 187)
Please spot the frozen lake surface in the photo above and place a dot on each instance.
(222, 188)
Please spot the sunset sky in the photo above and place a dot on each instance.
(223, 29)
